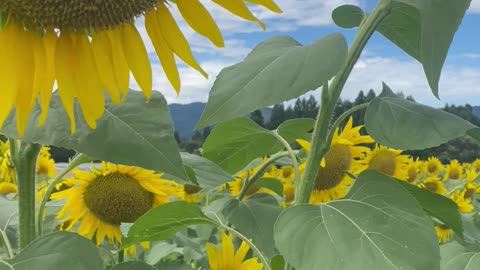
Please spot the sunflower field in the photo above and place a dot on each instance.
(311, 194)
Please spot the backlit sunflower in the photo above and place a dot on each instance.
(444, 234)
(453, 171)
(87, 46)
(346, 155)
(434, 184)
(464, 203)
(389, 161)
(433, 166)
(224, 257)
(105, 197)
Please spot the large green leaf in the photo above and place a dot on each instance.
(162, 222)
(207, 173)
(255, 218)
(133, 265)
(437, 206)
(161, 250)
(59, 250)
(348, 16)
(277, 70)
(379, 225)
(234, 144)
(294, 129)
(135, 133)
(457, 257)
(398, 123)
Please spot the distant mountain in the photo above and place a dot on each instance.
(185, 117)
(476, 110)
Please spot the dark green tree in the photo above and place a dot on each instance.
(257, 116)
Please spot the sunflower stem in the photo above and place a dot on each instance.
(330, 97)
(260, 172)
(25, 161)
(77, 160)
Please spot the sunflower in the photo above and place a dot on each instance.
(105, 197)
(7, 170)
(236, 185)
(45, 164)
(42, 187)
(190, 193)
(7, 188)
(434, 184)
(453, 170)
(414, 169)
(444, 234)
(132, 250)
(87, 46)
(433, 166)
(464, 203)
(471, 175)
(345, 155)
(225, 257)
(476, 165)
(389, 161)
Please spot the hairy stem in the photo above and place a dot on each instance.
(330, 97)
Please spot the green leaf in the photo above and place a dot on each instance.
(161, 250)
(5, 266)
(255, 218)
(437, 206)
(277, 263)
(133, 265)
(457, 257)
(135, 133)
(173, 266)
(59, 250)
(162, 222)
(294, 129)
(233, 144)
(475, 134)
(274, 185)
(348, 16)
(378, 220)
(207, 173)
(406, 125)
(425, 30)
(277, 70)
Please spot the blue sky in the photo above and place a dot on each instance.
(308, 20)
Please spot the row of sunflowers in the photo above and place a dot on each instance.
(96, 202)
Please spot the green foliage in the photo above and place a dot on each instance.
(257, 117)
(294, 129)
(164, 221)
(207, 173)
(402, 124)
(348, 16)
(136, 133)
(133, 265)
(255, 218)
(456, 257)
(265, 80)
(378, 220)
(59, 250)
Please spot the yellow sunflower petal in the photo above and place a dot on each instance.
(137, 58)
(266, 3)
(120, 65)
(304, 144)
(213, 257)
(241, 253)
(50, 44)
(8, 39)
(175, 39)
(239, 8)
(200, 20)
(164, 53)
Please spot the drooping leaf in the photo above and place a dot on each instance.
(378, 220)
(457, 257)
(137, 265)
(162, 222)
(234, 144)
(437, 206)
(135, 133)
(207, 173)
(348, 16)
(255, 218)
(59, 250)
(402, 124)
(277, 70)
(294, 129)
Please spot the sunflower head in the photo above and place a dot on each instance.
(110, 195)
(434, 184)
(224, 257)
(389, 161)
(464, 203)
(45, 164)
(414, 169)
(454, 170)
(444, 233)
(476, 165)
(433, 166)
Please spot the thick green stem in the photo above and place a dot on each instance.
(77, 160)
(249, 182)
(319, 146)
(25, 161)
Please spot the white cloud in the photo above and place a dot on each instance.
(474, 6)
(471, 55)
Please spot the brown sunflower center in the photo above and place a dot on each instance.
(383, 162)
(431, 186)
(115, 198)
(287, 172)
(76, 15)
(191, 189)
(42, 170)
(454, 174)
(337, 162)
(432, 167)
(412, 174)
